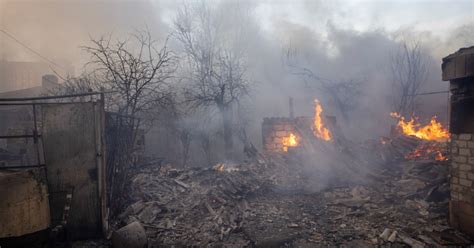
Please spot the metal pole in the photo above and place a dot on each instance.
(35, 135)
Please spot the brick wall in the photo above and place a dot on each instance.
(462, 182)
(274, 130)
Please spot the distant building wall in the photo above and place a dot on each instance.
(47, 83)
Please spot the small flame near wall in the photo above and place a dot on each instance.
(290, 141)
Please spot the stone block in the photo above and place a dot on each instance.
(456, 188)
(454, 196)
(281, 134)
(470, 176)
(470, 144)
(460, 143)
(465, 136)
(460, 159)
(279, 127)
(133, 235)
(464, 151)
(288, 128)
(462, 175)
(465, 182)
(455, 180)
(465, 167)
(454, 165)
(454, 150)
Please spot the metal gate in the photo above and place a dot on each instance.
(67, 139)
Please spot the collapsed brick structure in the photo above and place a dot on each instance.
(458, 68)
(276, 129)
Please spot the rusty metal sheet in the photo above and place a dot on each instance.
(71, 155)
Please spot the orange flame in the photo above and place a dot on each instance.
(440, 157)
(432, 131)
(290, 141)
(319, 129)
(427, 151)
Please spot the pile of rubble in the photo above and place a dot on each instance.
(193, 206)
(278, 201)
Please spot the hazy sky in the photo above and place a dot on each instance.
(77, 19)
(341, 39)
(437, 16)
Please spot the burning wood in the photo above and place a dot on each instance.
(428, 151)
(432, 131)
(434, 135)
(319, 129)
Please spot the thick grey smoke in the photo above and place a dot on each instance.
(318, 35)
(57, 29)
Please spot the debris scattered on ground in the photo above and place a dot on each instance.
(130, 236)
(268, 202)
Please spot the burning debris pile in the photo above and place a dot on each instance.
(414, 141)
(285, 134)
(252, 205)
(355, 194)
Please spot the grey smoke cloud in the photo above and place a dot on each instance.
(57, 29)
(336, 39)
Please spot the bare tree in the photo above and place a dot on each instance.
(217, 73)
(204, 139)
(409, 73)
(185, 140)
(138, 74)
(344, 92)
(135, 69)
(76, 85)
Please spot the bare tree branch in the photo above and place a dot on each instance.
(409, 73)
(217, 73)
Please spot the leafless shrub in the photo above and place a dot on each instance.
(135, 69)
(217, 74)
(409, 73)
(343, 92)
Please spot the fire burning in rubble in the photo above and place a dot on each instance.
(290, 141)
(432, 131)
(319, 129)
(427, 151)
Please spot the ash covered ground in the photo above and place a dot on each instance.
(371, 196)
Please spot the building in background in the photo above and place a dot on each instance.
(46, 84)
(16, 75)
(21, 75)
